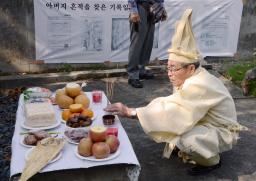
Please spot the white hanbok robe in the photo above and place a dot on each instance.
(200, 116)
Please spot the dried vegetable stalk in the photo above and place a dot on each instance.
(110, 83)
(45, 151)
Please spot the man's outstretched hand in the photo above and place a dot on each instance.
(118, 109)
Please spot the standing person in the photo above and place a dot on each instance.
(199, 118)
(142, 28)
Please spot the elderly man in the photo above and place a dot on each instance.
(199, 118)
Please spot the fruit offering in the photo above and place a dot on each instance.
(98, 144)
(98, 133)
(71, 94)
(76, 110)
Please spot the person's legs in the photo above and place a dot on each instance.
(147, 49)
(198, 146)
(137, 38)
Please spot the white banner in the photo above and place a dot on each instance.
(93, 31)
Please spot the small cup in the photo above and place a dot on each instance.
(96, 96)
(108, 119)
(112, 131)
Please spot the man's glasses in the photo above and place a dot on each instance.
(174, 69)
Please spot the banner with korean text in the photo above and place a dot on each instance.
(94, 31)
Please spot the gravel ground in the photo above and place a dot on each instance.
(8, 107)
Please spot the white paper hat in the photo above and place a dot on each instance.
(183, 47)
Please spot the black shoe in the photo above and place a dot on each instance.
(175, 151)
(147, 75)
(200, 170)
(136, 83)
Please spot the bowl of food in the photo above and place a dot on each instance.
(75, 135)
(108, 119)
(79, 121)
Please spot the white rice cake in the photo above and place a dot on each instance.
(39, 114)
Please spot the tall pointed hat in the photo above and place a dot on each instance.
(183, 48)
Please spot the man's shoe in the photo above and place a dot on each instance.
(136, 83)
(175, 151)
(147, 75)
(200, 170)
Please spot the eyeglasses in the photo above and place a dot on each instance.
(174, 69)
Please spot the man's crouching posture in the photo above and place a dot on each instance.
(199, 118)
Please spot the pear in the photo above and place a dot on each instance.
(85, 147)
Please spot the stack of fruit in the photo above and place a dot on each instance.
(71, 94)
(98, 143)
(75, 111)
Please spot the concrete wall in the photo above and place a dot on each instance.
(247, 37)
(17, 48)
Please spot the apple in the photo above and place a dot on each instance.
(112, 142)
(98, 133)
(100, 150)
(85, 147)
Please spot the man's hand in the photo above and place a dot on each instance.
(164, 16)
(135, 17)
(118, 109)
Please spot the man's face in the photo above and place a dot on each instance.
(177, 73)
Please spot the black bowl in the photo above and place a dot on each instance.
(108, 119)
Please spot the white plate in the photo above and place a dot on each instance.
(92, 158)
(30, 146)
(25, 145)
(45, 127)
(94, 116)
(72, 141)
(69, 140)
(54, 160)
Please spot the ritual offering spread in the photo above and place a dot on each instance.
(93, 141)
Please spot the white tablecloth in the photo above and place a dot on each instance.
(69, 160)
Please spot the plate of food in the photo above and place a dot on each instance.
(77, 115)
(58, 122)
(94, 159)
(75, 135)
(57, 157)
(29, 139)
(106, 148)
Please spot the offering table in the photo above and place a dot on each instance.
(69, 166)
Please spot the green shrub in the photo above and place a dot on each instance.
(237, 72)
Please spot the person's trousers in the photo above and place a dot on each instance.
(202, 141)
(141, 37)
